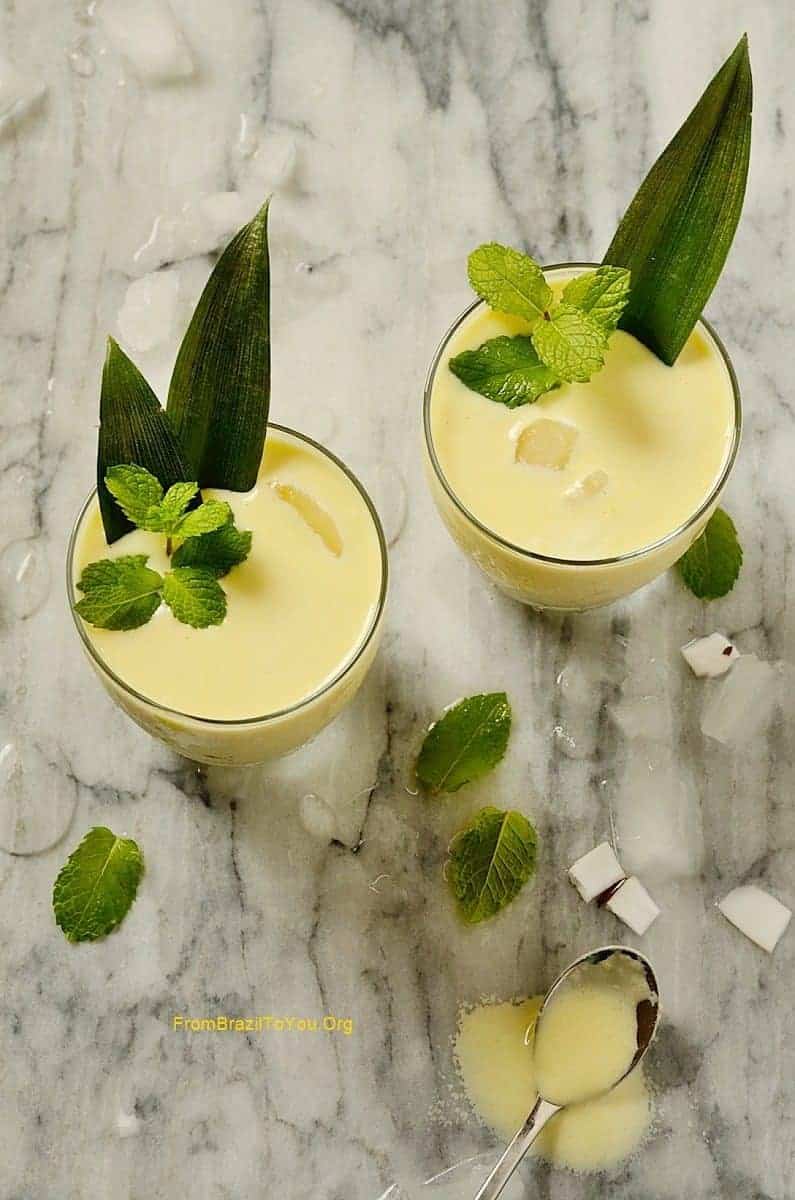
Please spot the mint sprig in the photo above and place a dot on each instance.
(712, 564)
(97, 885)
(565, 342)
(124, 593)
(490, 861)
(465, 743)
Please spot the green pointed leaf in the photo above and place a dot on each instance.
(571, 343)
(505, 369)
(712, 564)
(509, 281)
(97, 885)
(133, 428)
(218, 551)
(677, 231)
(490, 861)
(194, 596)
(220, 389)
(119, 593)
(602, 293)
(204, 519)
(466, 743)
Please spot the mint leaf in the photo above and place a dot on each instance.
(96, 885)
(467, 742)
(509, 281)
(490, 861)
(505, 369)
(174, 503)
(136, 491)
(570, 343)
(711, 566)
(195, 596)
(119, 593)
(603, 294)
(204, 519)
(218, 551)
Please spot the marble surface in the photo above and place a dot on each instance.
(396, 136)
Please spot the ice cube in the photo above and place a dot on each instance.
(18, 95)
(316, 517)
(633, 905)
(596, 871)
(274, 162)
(710, 656)
(146, 317)
(642, 718)
(127, 1125)
(740, 707)
(757, 914)
(225, 213)
(147, 34)
(317, 817)
(590, 485)
(546, 443)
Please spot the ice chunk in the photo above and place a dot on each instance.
(740, 707)
(317, 817)
(633, 905)
(545, 443)
(710, 656)
(128, 1125)
(146, 317)
(18, 95)
(316, 517)
(81, 63)
(147, 34)
(274, 162)
(757, 914)
(25, 578)
(198, 227)
(225, 213)
(590, 485)
(596, 872)
(642, 718)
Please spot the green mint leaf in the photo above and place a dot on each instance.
(505, 369)
(677, 231)
(490, 861)
(509, 281)
(174, 503)
(602, 293)
(711, 566)
(97, 885)
(467, 742)
(119, 593)
(570, 343)
(218, 551)
(136, 491)
(194, 596)
(204, 519)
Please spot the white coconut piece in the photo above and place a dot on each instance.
(596, 871)
(757, 914)
(147, 34)
(710, 656)
(633, 905)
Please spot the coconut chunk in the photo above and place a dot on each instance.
(757, 914)
(318, 520)
(596, 872)
(590, 485)
(633, 905)
(546, 443)
(710, 656)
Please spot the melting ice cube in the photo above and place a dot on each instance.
(740, 707)
(546, 443)
(147, 34)
(590, 485)
(274, 161)
(225, 213)
(317, 817)
(316, 517)
(147, 315)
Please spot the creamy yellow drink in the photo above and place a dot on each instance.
(627, 466)
(302, 621)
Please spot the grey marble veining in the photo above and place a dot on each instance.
(397, 136)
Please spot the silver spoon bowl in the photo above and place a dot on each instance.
(648, 1014)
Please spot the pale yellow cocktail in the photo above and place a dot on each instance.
(626, 471)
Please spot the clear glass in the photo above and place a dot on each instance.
(257, 738)
(541, 580)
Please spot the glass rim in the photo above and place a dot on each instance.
(536, 555)
(318, 693)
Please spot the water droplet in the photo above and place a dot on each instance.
(81, 63)
(24, 578)
(388, 492)
(246, 139)
(317, 817)
(37, 798)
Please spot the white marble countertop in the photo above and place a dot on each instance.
(396, 136)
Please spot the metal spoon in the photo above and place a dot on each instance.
(648, 1012)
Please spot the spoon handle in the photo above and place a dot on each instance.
(517, 1148)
